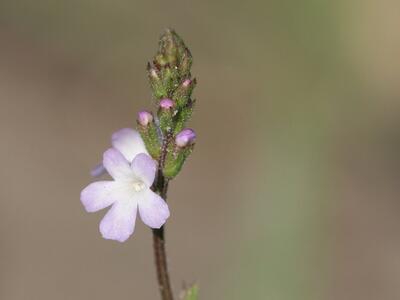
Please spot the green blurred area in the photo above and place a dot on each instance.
(295, 171)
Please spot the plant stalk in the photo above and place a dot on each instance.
(160, 255)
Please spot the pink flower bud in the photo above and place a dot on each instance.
(167, 103)
(185, 138)
(186, 83)
(144, 118)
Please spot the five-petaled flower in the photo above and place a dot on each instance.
(133, 172)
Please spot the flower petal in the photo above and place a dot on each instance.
(144, 167)
(128, 142)
(153, 209)
(98, 195)
(98, 170)
(117, 165)
(119, 222)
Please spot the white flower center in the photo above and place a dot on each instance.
(138, 185)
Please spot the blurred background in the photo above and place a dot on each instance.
(292, 191)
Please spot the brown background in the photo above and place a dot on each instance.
(292, 191)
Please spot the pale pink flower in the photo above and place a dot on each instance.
(127, 193)
(129, 142)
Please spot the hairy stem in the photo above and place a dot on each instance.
(160, 255)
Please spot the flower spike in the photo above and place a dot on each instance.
(141, 163)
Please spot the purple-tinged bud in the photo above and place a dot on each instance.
(167, 104)
(144, 118)
(166, 113)
(186, 83)
(185, 138)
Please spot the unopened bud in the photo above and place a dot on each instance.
(165, 114)
(144, 118)
(153, 73)
(186, 83)
(183, 92)
(148, 132)
(160, 60)
(171, 46)
(185, 63)
(178, 153)
(185, 138)
(167, 104)
(159, 91)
